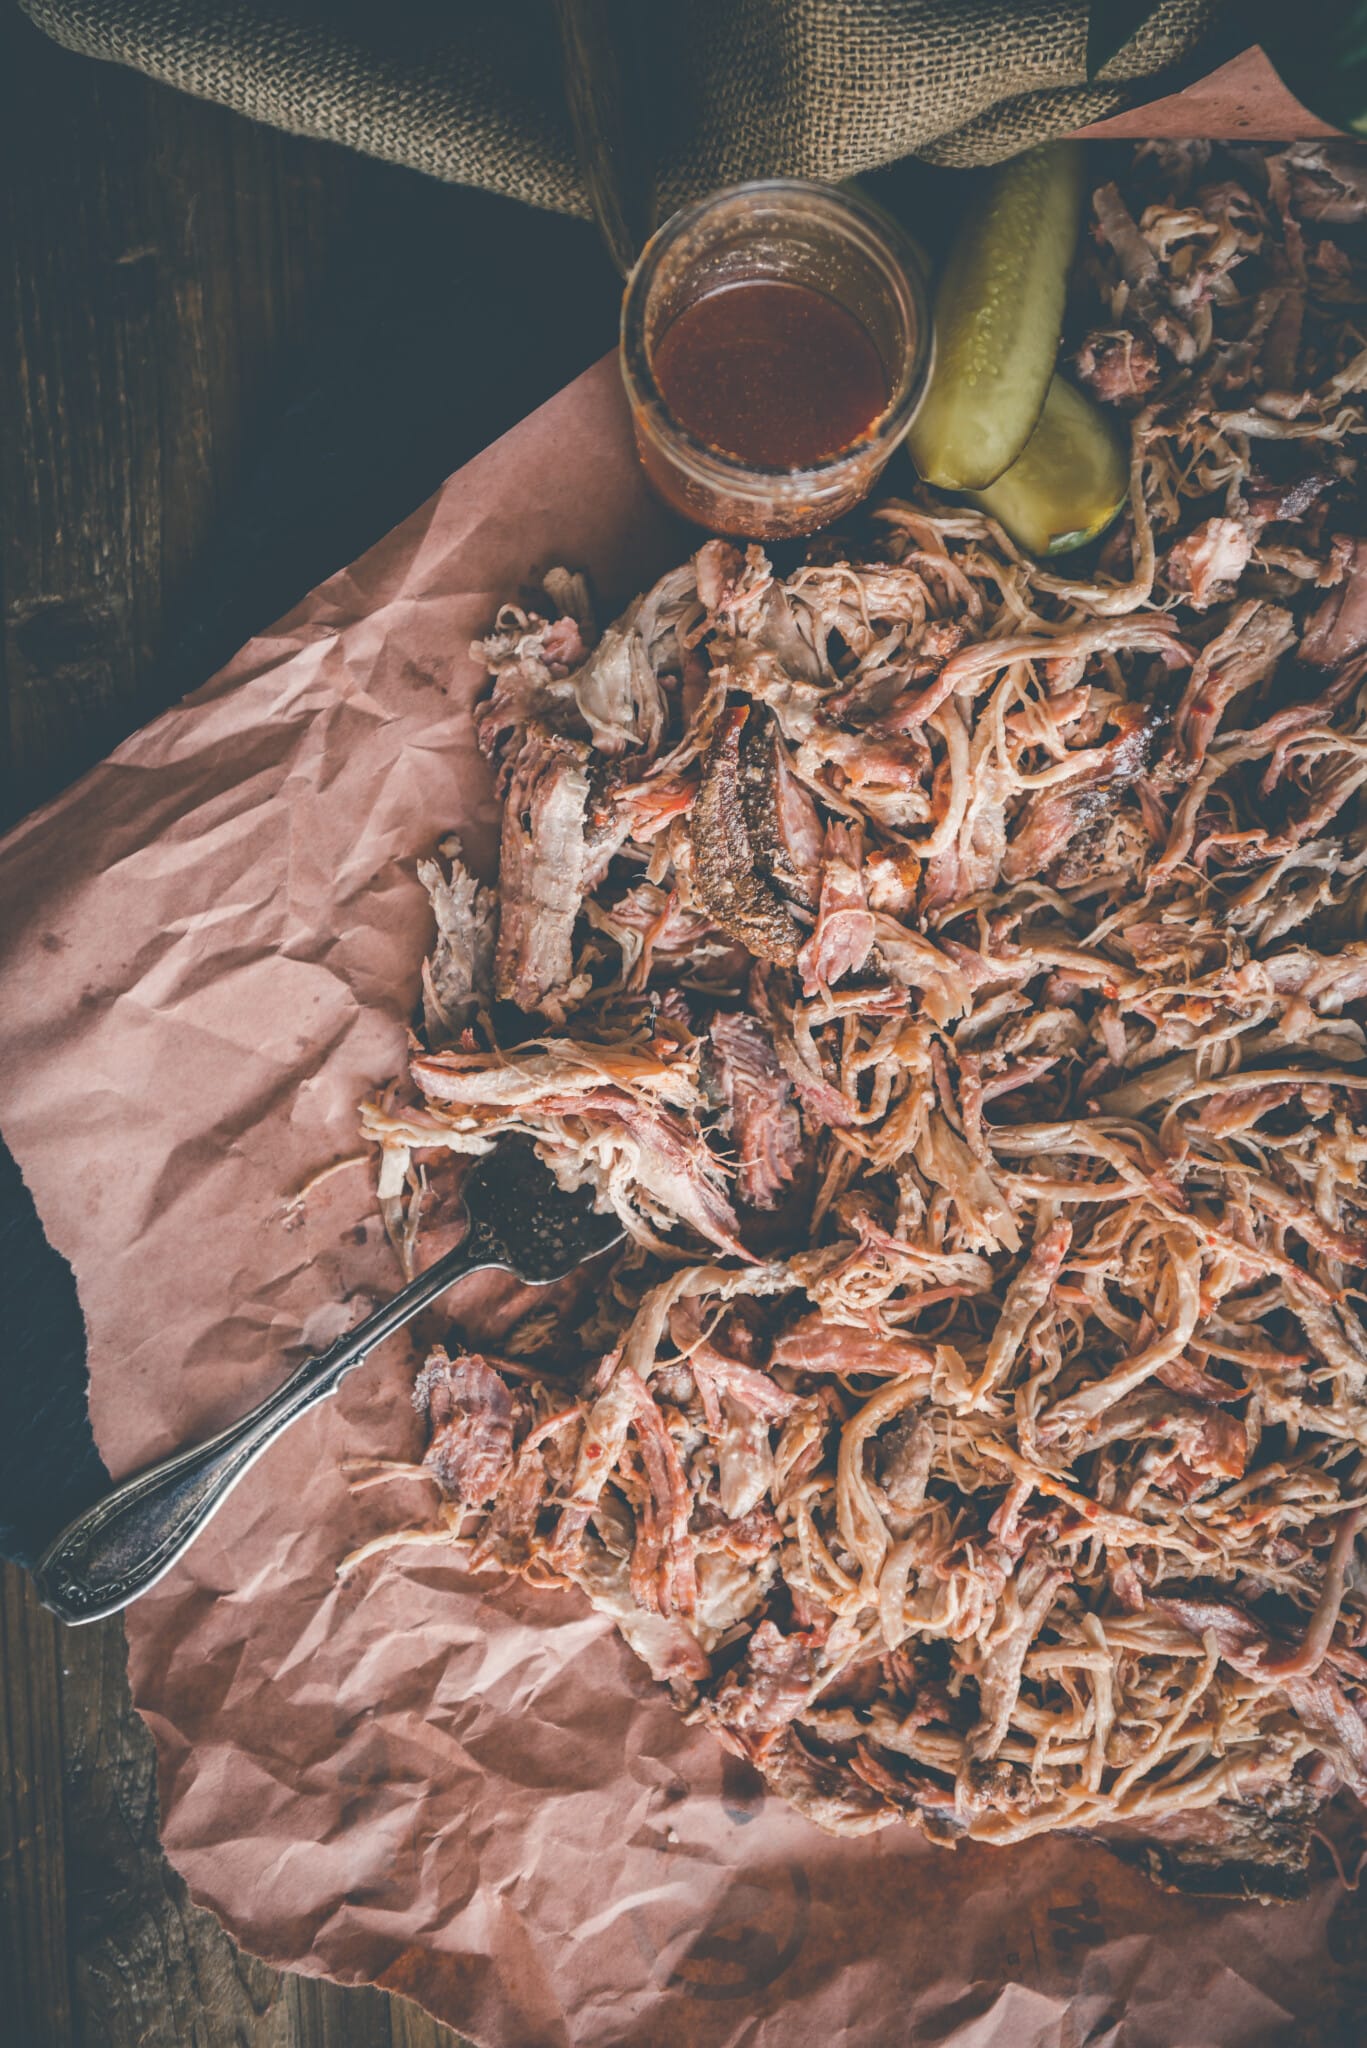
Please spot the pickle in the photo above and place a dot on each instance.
(1069, 481)
(998, 317)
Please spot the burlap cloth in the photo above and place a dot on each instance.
(470, 90)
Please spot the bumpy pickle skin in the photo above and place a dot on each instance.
(1069, 481)
(998, 317)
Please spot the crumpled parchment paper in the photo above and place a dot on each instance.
(452, 1786)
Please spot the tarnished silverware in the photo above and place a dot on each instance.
(519, 1220)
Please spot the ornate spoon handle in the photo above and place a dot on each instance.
(123, 1544)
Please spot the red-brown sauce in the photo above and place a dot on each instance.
(773, 373)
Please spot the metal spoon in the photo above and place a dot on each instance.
(107, 1557)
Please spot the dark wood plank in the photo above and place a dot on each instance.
(239, 357)
(42, 1384)
(35, 1974)
(411, 2027)
(147, 1965)
(146, 234)
(327, 2016)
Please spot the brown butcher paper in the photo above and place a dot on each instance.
(454, 1786)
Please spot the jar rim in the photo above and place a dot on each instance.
(884, 241)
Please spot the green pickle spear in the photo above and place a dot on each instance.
(1069, 481)
(998, 316)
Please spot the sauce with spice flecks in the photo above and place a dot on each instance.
(773, 373)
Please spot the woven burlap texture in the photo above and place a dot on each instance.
(743, 88)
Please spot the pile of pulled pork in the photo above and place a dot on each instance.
(953, 973)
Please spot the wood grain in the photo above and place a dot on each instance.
(229, 359)
(140, 335)
(35, 1977)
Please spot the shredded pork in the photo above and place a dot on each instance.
(954, 971)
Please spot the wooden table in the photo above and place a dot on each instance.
(229, 359)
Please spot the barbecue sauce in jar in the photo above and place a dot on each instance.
(775, 345)
(773, 373)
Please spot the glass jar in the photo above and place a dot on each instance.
(791, 230)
